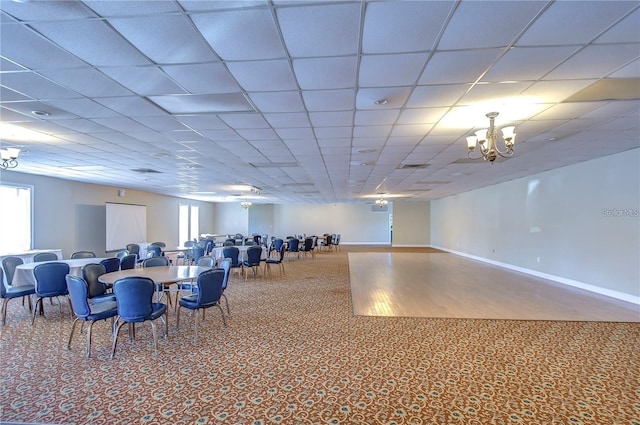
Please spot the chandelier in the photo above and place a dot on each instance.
(245, 204)
(487, 138)
(381, 202)
(9, 158)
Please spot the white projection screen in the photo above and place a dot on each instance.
(126, 223)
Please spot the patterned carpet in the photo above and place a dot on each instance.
(294, 354)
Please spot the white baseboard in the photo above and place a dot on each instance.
(570, 282)
(396, 245)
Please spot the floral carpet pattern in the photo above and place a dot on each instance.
(293, 353)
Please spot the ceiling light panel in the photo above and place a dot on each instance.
(202, 103)
(320, 30)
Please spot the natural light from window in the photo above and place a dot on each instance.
(16, 216)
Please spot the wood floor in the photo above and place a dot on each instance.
(438, 284)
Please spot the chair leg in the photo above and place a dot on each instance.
(5, 301)
(155, 337)
(89, 338)
(35, 309)
(73, 327)
(224, 319)
(195, 326)
(226, 301)
(115, 338)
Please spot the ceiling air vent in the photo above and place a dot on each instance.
(411, 166)
(273, 164)
(145, 171)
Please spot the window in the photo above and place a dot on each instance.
(15, 213)
(189, 226)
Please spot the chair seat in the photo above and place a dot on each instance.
(19, 291)
(102, 310)
(100, 299)
(191, 302)
(272, 261)
(158, 310)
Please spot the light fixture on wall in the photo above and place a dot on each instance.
(381, 202)
(245, 204)
(9, 158)
(487, 138)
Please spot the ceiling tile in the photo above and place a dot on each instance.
(390, 70)
(144, 80)
(86, 81)
(596, 61)
(320, 30)
(434, 96)
(83, 107)
(625, 31)
(528, 63)
(130, 106)
(35, 86)
(465, 66)
(165, 47)
(372, 117)
(241, 34)
(395, 97)
(203, 78)
(48, 10)
(326, 73)
(288, 101)
(422, 115)
(288, 120)
(267, 75)
(130, 7)
(92, 41)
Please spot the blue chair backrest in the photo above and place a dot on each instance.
(3, 288)
(197, 253)
(308, 244)
(134, 297)
(155, 262)
(210, 286)
(293, 244)
(232, 252)
(253, 255)
(133, 248)
(111, 264)
(45, 256)
(128, 262)
(78, 292)
(278, 243)
(206, 261)
(226, 266)
(9, 264)
(50, 279)
(155, 251)
(91, 272)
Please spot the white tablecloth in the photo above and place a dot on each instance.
(24, 272)
(27, 256)
(217, 253)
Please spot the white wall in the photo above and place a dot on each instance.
(356, 223)
(558, 224)
(71, 215)
(230, 218)
(411, 223)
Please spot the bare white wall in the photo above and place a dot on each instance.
(230, 218)
(71, 215)
(411, 224)
(578, 224)
(356, 223)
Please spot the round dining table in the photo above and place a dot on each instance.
(162, 274)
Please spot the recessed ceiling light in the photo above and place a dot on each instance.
(41, 113)
(367, 150)
(382, 101)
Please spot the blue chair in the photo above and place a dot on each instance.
(10, 292)
(154, 251)
(226, 266)
(50, 282)
(198, 252)
(280, 260)
(83, 254)
(133, 248)
(45, 256)
(155, 262)
(307, 246)
(97, 291)
(209, 292)
(233, 252)
(253, 260)
(9, 265)
(111, 264)
(277, 244)
(128, 262)
(293, 247)
(122, 254)
(134, 296)
(79, 292)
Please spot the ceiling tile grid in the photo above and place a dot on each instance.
(315, 101)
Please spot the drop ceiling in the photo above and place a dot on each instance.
(314, 101)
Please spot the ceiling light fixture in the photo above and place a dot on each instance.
(9, 158)
(381, 202)
(487, 138)
(245, 204)
(382, 101)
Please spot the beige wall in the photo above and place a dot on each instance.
(71, 215)
(554, 224)
(411, 224)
